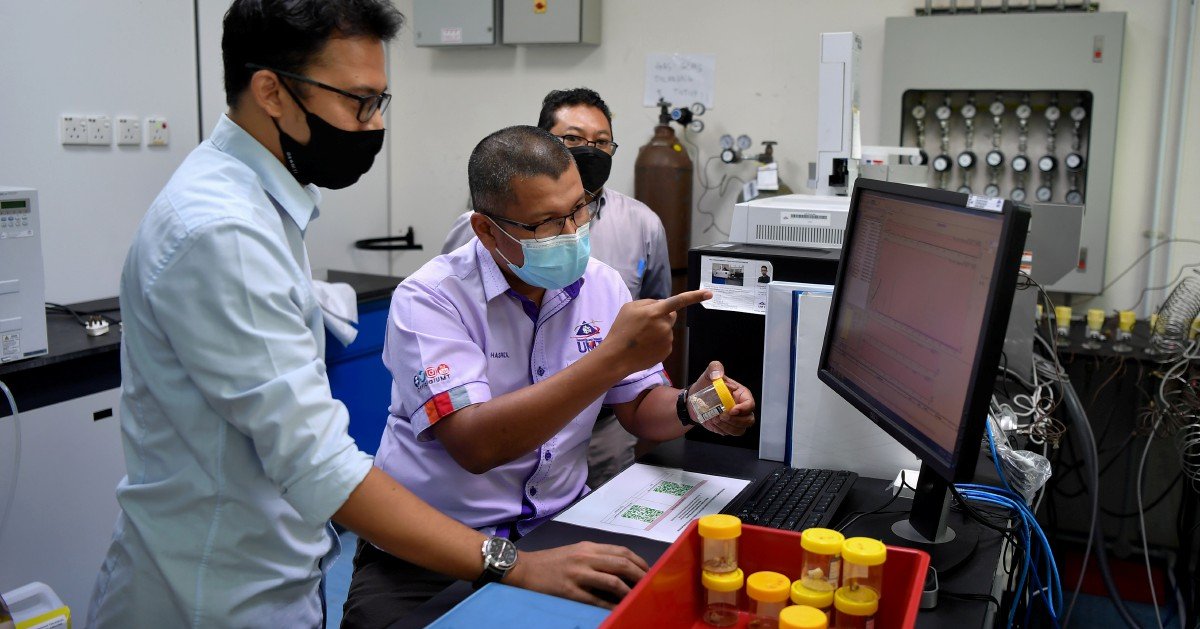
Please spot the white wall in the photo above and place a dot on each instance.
(447, 100)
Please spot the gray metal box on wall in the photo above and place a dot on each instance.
(455, 22)
(1034, 56)
(551, 22)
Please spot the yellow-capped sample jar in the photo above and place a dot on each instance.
(711, 401)
(721, 597)
(768, 593)
(719, 535)
(822, 558)
(803, 617)
(854, 609)
(862, 564)
(817, 599)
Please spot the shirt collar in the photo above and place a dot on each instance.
(601, 204)
(300, 202)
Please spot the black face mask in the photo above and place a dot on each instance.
(333, 158)
(594, 166)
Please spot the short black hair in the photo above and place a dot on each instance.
(287, 34)
(519, 152)
(558, 99)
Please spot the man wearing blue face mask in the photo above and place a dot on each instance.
(502, 353)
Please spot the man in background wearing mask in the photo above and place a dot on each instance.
(501, 354)
(625, 234)
(237, 454)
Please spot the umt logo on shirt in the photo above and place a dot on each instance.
(587, 336)
(431, 374)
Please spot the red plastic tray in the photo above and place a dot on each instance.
(670, 595)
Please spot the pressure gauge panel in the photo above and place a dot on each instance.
(1047, 163)
(1078, 113)
(727, 141)
(994, 158)
(1024, 111)
(744, 142)
(942, 163)
(1053, 113)
(1074, 197)
(1043, 194)
(698, 109)
(943, 112)
(1020, 163)
(919, 112)
(729, 156)
(968, 111)
(996, 108)
(965, 189)
(966, 160)
(920, 159)
(992, 190)
(1073, 161)
(696, 126)
(1018, 195)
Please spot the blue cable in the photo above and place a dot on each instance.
(995, 455)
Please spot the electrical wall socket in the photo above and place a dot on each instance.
(157, 133)
(99, 130)
(129, 131)
(72, 130)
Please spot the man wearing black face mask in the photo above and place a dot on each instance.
(237, 454)
(625, 234)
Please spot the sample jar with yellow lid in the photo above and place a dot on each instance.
(822, 558)
(719, 542)
(818, 599)
(862, 564)
(721, 597)
(711, 401)
(855, 608)
(768, 592)
(803, 617)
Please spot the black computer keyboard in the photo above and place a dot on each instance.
(795, 498)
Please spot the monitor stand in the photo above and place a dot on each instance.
(926, 529)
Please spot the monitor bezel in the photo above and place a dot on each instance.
(1015, 223)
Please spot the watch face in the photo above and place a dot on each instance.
(1020, 163)
(1074, 197)
(1018, 195)
(996, 108)
(941, 163)
(1023, 111)
(1078, 113)
(995, 158)
(1074, 161)
(966, 159)
(992, 190)
(1044, 193)
(968, 111)
(1053, 113)
(943, 113)
(501, 552)
(918, 112)
(1047, 163)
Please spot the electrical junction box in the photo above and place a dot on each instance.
(22, 283)
(551, 22)
(449, 23)
(791, 220)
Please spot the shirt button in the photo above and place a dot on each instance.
(541, 371)
(533, 491)
(547, 456)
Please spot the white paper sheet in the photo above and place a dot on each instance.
(737, 284)
(653, 502)
(681, 79)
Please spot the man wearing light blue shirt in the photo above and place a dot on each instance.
(237, 456)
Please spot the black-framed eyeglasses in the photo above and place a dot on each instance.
(555, 225)
(367, 105)
(572, 141)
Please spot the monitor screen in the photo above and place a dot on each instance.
(920, 290)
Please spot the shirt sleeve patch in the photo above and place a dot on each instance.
(447, 402)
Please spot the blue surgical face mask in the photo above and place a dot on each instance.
(551, 263)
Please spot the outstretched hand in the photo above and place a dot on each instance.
(736, 420)
(642, 334)
(586, 572)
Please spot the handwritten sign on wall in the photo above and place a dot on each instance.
(680, 79)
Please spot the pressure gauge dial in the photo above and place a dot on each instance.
(992, 190)
(1078, 113)
(744, 142)
(943, 112)
(918, 112)
(1043, 194)
(966, 160)
(696, 126)
(698, 109)
(729, 156)
(1047, 163)
(942, 163)
(994, 158)
(920, 159)
(1018, 195)
(727, 141)
(1074, 197)
(1053, 113)
(1024, 111)
(1020, 163)
(968, 111)
(965, 189)
(1073, 162)
(996, 108)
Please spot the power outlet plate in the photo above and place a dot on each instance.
(129, 131)
(157, 133)
(99, 130)
(72, 130)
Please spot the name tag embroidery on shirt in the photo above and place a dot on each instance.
(499, 354)
(587, 336)
(431, 375)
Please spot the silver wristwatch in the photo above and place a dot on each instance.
(499, 556)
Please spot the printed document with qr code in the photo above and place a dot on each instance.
(654, 502)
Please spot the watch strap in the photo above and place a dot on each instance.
(681, 408)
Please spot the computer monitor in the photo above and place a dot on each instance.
(917, 324)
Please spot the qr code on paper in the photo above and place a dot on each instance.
(674, 489)
(642, 514)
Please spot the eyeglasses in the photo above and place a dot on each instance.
(367, 105)
(572, 141)
(554, 226)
